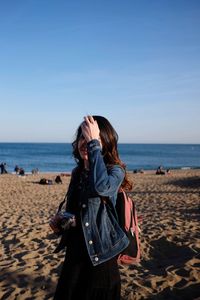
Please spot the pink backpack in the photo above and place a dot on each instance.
(127, 217)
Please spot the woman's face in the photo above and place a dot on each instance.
(82, 148)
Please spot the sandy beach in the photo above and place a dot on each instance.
(169, 206)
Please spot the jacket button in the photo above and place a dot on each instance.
(90, 242)
(86, 224)
(96, 258)
(84, 205)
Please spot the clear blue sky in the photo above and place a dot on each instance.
(135, 62)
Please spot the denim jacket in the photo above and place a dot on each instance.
(104, 237)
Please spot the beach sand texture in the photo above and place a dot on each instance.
(170, 237)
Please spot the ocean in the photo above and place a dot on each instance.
(57, 157)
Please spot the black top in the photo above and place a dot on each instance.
(76, 247)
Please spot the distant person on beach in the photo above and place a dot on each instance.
(35, 171)
(17, 169)
(58, 179)
(21, 172)
(3, 168)
(136, 171)
(168, 172)
(90, 270)
(46, 181)
(160, 171)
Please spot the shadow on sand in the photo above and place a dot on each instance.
(166, 257)
(190, 182)
(190, 292)
(164, 254)
(26, 282)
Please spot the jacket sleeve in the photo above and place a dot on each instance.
(105, 181)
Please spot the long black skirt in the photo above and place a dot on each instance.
(81, 280)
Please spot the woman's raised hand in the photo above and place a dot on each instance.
(90, 129)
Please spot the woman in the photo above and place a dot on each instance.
(90, 270)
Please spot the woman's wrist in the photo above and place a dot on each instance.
(88, 139)
(93, 139)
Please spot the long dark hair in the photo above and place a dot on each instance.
(109, 139)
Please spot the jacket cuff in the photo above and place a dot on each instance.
(93, 145)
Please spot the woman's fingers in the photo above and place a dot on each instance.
(89, 119)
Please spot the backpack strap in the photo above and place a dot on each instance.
(128, 204)
(137, 231)
(61, 204)
(120, 190)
